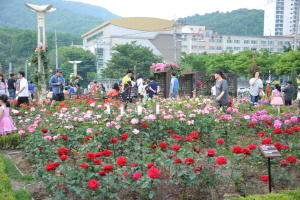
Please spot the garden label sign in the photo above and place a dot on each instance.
(269, 151)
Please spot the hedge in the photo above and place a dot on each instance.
(5, 186)
(10, 141)
(283, 195)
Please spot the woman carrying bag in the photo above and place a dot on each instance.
(256, 87)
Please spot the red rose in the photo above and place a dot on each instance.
(221, 160)
(44, 130)
(133, 165)
(211, 152)
(84, 166)
(188, 138)
(251, 124)
(124, 136)
(189, 161)
(194, 135)
(149, 165)
(246, 151)
(40, 148)
(266, 141)
(83, 143)
(93, 184)
(261, 134)
(197, 151)
(102, 173)
(64, 137)
(295, 128)
(90, 155)
(136, 175)
(291, 159)
(121, 161)
(277, 131)
(153, 146)
(177, 137)
(107, 152)
(163, 145)
(284, 163)
(96, 134)
(113, 140)
(175, 147)
(269, 123)
(198, 169)
(252, 146)
(62, 151)
(88, 137)
(63, 157)
(278, 145)
(51, 166)
(220, 141)
(177, 161)
(145, 125)
(237, 149)
(107, 168)
(170, 131)
(264, 178)
(97, 162)
(285, 147)
(289, 131)
(98, 154)
(153, 173)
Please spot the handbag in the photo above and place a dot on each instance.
(261, 93)
(49, 95)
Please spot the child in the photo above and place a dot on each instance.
(276, 99)
(71, 91)
(78, 90)
(230, 99)
(6, 122)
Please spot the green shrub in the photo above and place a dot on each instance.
(5, 185)
(10, 141)
(283, 195)
(22, 195)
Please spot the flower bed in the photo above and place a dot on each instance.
(190, 149)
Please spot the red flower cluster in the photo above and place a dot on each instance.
(145, 125)
(63, 157)
(189, 161)
(194, 135)
(261, 134)
(175, 147)
(291, 159)
(266, 141)
(252, 146)
(62, 151)
(136, 175)
(221, 160)
(289, 131)
(163, 145)
(52, 166)
(93, 184)
(177, 161)
(220, 141)
(251, 124)
(40, 148)
(170, 131)
(133, 165)
(278, 145)
(121, 161)
(198, 169)
(188, 139)
(149, 165)
(90, 155)
(177, 137)
(197, 151)
(84, 166)
(97, 162)
(107, 152)
(108, 168)
(264, 178)
(153, 173)
(295, 128)
(113, 140)
(211, 152)
(88, 137)
(277, 131)
(124, 136)
(44, 130)
(237, 149)
(64, 137)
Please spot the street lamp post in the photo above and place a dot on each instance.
(26, 64)
(41, 10)
(75, 66)
(253, 49)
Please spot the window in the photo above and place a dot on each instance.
(229, 48)
(183, 39)
(271, 42)
(194, 47)
(191, 29)
(246, 41)
(280, 49)
(286, 43)
(219, 48)
(253, 42)
(219, 41)
(184, 46)
(236, 41)
(95, 36)
(201, 47)
(229, 41)
(236, 48)
(246, 48)
(263, 42)
(212, 40)
(271, 49)
(207, 34)
(280, 42)
(201, 40)
(194, 40)
(211, 48)
(200, 29)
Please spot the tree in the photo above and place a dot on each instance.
(128, 55)
(195, 62)
(294, 82)
(285, 63)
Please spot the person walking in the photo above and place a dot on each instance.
(222, 97)
(276, 99)
(256, 86)
(76, 81)
(90, 86)
(140, 86)
(23, 93)
(153, 87)
(127, 77)
(174, 85)
(268, 89)
(6, 122)
(3, 85)
(31, 89)
(11, 84)
(288, 93)
(57, 83)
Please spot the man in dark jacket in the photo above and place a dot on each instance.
(288, 93)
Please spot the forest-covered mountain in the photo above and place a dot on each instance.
(237, 22)
(73, 17)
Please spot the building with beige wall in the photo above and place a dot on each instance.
(157, 34)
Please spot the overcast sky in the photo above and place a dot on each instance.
(168, 9)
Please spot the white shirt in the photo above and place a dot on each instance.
(213, 90)
(24, 84)
(140, 85)
(3, 87)
(298, 96)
